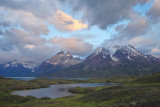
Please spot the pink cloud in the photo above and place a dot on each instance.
(74, 45)
(64, 22)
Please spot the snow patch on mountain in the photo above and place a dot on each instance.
(26, 64)
(101, 50)
(129, 57)
(156, 56)
(128, 50)
(64, 59)
(114, 58)
(131, 50)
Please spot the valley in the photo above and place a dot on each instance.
(132, 91)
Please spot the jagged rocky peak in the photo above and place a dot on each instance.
(61, 53)
(99, 53)
(101, 50)
(68, 54)
(130, 50)
(116, 47)
(117, 53)
(63, 58)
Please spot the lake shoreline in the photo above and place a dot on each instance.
(132, 91)
(46, 83)
(57, 90)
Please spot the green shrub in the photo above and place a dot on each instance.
(80, 90)
(45, 98)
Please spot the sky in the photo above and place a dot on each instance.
(38, 29)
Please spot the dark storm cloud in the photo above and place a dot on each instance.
(154, 12)
(137, 27)
(40, 8)
(4, 24)
(105, 12)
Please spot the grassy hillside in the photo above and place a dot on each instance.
(143, 91)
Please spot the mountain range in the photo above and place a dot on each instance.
(119, 60)
(58, 62)
(17, 68)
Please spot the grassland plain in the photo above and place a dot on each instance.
(142, 91)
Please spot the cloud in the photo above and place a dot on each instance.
(6, 56)
(104, 12)
(64, 22)
(156, 51)
(137, 27)
(37, 54)
(20, 44)
(20, 31)
(154, 12)
(40, 8)
(74, 45)
(140, 40)
(29, 46)
(25, 20)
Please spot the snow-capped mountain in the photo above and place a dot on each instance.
(100, 57)
(130, 53)
(59, 61)
(26, 64)
(118, 53)
(18, 68)
(119, 60)
(64, 59)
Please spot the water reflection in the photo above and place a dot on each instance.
(56, 91)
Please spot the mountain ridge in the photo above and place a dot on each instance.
(18, 68)
(126, 60)
(118, 60)
(59, 61)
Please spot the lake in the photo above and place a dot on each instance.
(55, 91)
(22, 78)
(30, 78)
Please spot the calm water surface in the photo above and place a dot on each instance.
(56, 91)
(30, 78)
(22, 78)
